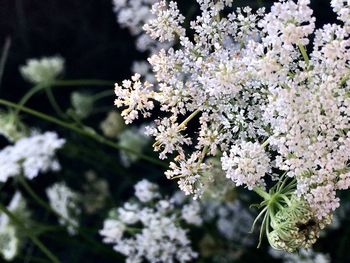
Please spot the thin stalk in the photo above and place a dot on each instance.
(83, 82)
(182, 125)
(344, 80)
(54, 102)
(4, 55)
(263, 226)
(256, 219)
(81, 131)
(78, 82)
(27, 232)
(27, 97)
(187, 120)
(304, 54)
(33, 195)
(262, 193)
(102, 95)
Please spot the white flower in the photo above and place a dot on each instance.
(10, 236)
(133, 14)
(146, 191)
(136, 96)
(64, 202)
(149, 231)
(191, 214)
(247, 77)
(42, 71)
(112, 231)
(167, 23)
(31, 155)
(246, 164)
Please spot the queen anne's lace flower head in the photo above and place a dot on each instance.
(150, 231)
(64, 201)
(260, 95)
(44, 70)
(30, 156)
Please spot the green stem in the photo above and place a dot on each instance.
(187, 120)
(4, 55)
(344, 80)
(78, 82)
(304, 54)
(83, 82)
(80, 131)
(30, 191)
(35, 240)
(262, 193)
(27, 97)
(265, 143)
(53, 101)
(102, 95)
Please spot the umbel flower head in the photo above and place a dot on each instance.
(42, 71)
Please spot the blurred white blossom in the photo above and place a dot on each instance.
(11, 238)
(43, 70)
(148, 231)
(65, 202)
(30, 156)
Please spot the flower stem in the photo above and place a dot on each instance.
(4, 56)
(102, 95)
(187, 120)
(69, 83)
(304, 54)
(83, 82)
(34, 239)
(262, 193)
(54, 102)
(84, 132)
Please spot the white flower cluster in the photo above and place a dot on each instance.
(249, 84)
(247, 164)
(342, 8)
(133, 14)
(64, 201)
(44, 70)
(148, 228)
(10, 234)
(166, 25)
(30, 156)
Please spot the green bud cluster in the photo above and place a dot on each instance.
(288, 221)
(295, 226)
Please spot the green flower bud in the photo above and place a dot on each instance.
(82, 104)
